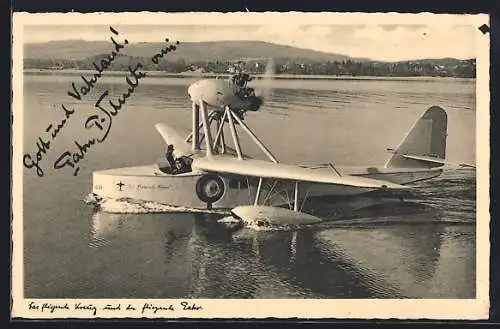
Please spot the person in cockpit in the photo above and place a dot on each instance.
(170, 158)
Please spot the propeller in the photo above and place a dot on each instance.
(266, 86)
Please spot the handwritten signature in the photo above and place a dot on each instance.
(100, 122)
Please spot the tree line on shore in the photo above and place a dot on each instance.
(450, 68)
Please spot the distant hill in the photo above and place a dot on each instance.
(190, 51)
(214, 57)
(447, 61)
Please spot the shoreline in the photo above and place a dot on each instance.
(162, 74)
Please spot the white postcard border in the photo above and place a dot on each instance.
(277, 308)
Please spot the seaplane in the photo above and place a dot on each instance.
(209, 173)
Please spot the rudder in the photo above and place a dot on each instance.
(425, 144)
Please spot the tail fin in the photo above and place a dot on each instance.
(425, 144)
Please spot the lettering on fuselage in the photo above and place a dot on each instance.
(140, 186)
(152, 186)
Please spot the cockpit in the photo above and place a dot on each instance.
(181, 165)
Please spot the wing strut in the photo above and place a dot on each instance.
(206, 128)
(335, 169)
(196, 126)
(220, 132)
(254, 138)
(201, 118)
(296, 197)
(257, 194)
(234, 133)
(194, 136)
(296, 207)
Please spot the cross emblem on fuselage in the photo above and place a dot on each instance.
(120, 185)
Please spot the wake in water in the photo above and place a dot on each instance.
(132, 206)
(453, 193)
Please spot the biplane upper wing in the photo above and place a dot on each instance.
(266, 169)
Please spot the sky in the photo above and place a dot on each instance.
(377, 42)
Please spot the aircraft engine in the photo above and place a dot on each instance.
(218, 94)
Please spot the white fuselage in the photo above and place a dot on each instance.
(148, 183)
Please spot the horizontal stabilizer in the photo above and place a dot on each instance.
(266, 169)
(425, 159)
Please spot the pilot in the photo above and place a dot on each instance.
(241, 79)
(170, 157)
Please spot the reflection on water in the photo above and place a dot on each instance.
(411, 259)
(204, 260)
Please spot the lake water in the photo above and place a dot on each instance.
(420, 249)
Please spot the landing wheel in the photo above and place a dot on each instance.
(210, 188)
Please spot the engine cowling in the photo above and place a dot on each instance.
(218, 94)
